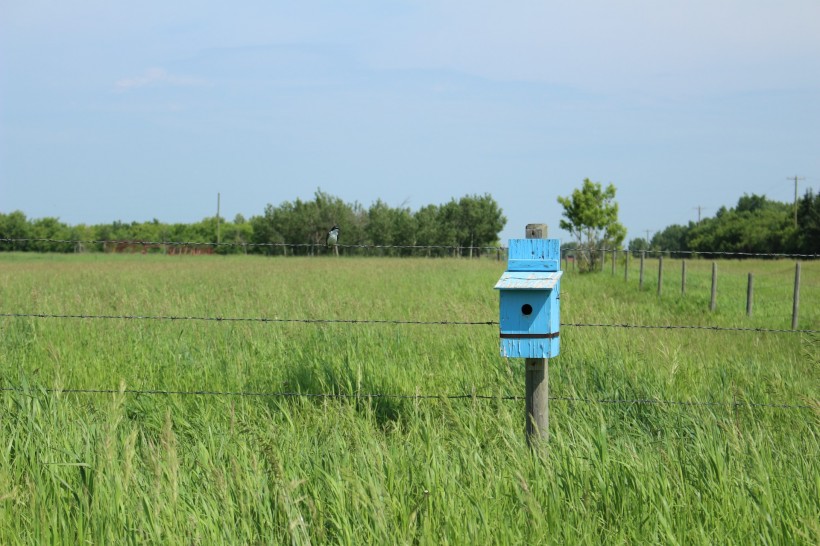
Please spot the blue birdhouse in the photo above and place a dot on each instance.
(530, 299)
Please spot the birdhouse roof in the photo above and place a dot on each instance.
(528, 280)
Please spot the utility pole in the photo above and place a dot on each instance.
(217, 218)
(795, 178)
(699, 208)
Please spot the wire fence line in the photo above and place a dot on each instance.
(665, 252)
(242, 244)
(814, 404)
(496, 248)
(172, 318)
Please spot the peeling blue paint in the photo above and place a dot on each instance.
(530, 306)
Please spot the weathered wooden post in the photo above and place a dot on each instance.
(750, 295)
(660, 275)
(626, 265)
(614, 259)
(640, 276)
(713, 301)
(796, 302)
(683, 277)
(529, 308)
(603, 259)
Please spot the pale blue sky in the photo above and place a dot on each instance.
(140, 110)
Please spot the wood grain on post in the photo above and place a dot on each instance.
(683, 278)
(796, 302)
(713, 301)
(537, 378)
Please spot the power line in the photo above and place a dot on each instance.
(370, 396)
(173, 318)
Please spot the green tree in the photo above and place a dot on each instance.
(672, 238)
(429, 232)
(808, 221)
(638, 245)
(480, 221)
(50, 228)
(14, 226)
(307, 222)
(756, 225)
(592, 218)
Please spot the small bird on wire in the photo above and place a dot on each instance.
(333, 236)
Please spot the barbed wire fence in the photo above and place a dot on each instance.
(458, 249)
(737, 404)
(814, 404)
(173, 318)
(455, 250)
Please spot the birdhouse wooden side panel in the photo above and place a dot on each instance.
(534, 255)
(530, 323)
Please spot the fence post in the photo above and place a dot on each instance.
(750, 288)
(626, 265)
(683, 278)
(796, 303)
(537, 377)
(603, 259)
(713, 302)
(640, 277)
(660, 275)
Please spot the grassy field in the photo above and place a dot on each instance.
(205, 469)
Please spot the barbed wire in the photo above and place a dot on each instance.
(571, 251)
(173, 318)
(692, 327)
(565, 251)
(251, 319)
(241, 244)
(369, 396)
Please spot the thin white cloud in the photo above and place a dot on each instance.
(157, 76)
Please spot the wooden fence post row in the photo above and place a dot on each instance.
(713, 298)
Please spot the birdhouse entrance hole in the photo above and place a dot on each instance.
(526, 309)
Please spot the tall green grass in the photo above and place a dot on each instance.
(173, 469)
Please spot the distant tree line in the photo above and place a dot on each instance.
(469, 222)
(756, 225)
